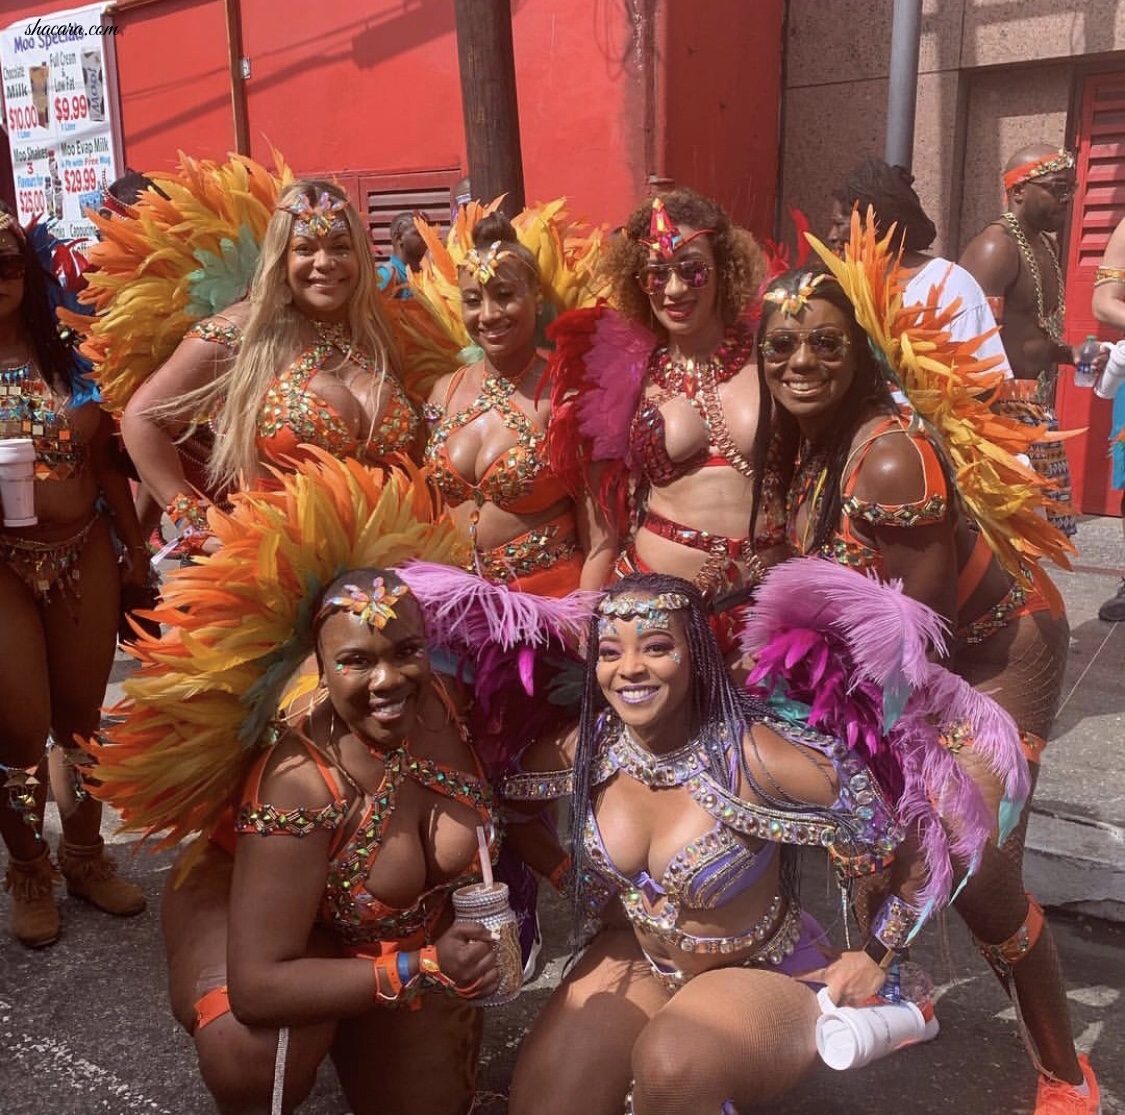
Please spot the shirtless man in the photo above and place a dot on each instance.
(1109, 308)
(1016, 260)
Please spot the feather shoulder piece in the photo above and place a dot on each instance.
(847, 654)
(952, 390)
(597, 372)
(189, 251)
(238, 626)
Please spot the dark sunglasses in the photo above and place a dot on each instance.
(693, 273)
(1060, 191)
(826, 343)
(12, 267)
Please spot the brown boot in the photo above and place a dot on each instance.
(92, 875)
(34, 917)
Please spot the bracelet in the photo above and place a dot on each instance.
(430, 969)
(387, 966)
(895, 924)
(187, 511)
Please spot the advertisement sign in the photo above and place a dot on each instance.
(56, 111)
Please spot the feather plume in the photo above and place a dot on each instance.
(237, 625)
(852, 652)
(952, 389)
(181, 257)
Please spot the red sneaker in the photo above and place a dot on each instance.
(1056, 1097)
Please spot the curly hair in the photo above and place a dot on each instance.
(889, 191)
(55, 359)
(869, 391)
(739, 260)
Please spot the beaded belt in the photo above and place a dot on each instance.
(527, 553)
(769, 951)
(717, 546)
(995, 619)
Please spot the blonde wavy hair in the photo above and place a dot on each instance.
(271, 339)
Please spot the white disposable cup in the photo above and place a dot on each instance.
(851, 1037)
(1113, 374)
(17, 481)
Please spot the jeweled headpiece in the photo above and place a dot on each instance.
(664, 236)
(374, 606)
(1037, 168)
(12, 225)
(319, 218)
(791, 295)
(481, 263)
(649, 611)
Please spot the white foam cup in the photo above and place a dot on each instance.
(851, 1037)
(1113, 374)
(17, 481)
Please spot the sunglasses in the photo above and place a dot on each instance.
(12, 267)
(1060, 191)
(826, 343)
(693, 273)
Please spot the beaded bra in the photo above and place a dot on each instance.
(30, 409)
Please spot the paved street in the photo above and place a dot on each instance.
(84, 1026)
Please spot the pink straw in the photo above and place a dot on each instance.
(485, 858)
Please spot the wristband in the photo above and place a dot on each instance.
(187, 511)
(882, 954)
(387, 967)
(891, 930)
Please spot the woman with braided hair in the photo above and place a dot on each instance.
(690, 801)
(869, 486)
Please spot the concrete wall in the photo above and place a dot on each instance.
(993, 76)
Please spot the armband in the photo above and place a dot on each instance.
(1109, 275)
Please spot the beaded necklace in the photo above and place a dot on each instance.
(29, 408)
(698, 380)
(661, 771)
(1051, 324)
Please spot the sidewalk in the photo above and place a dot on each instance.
(1076, 837)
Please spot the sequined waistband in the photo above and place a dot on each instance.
(527, 553)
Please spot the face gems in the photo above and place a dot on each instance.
(319, 219)
(376, 608)
(675, 656)
(649, 612)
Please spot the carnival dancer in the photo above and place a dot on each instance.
(322, 915)
(60, 585)
(1016, 260)
(669, 390)
(307, 359)
(690, 801)
(871, 487)
(489, 425)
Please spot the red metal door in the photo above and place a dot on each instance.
(1099, 205)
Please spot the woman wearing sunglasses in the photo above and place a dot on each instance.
(681, 268)
(60, 583)
(869, 486)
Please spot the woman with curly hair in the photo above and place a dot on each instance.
(60, 584)
(681, 268)
(308, 358)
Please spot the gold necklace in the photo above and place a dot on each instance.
(1052, 323)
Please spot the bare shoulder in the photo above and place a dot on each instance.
(237, 314)
(992, 258)
(801, 773)
(892, 470)
(291, 778)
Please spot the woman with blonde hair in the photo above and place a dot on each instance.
(307, 358)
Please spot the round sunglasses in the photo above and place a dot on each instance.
(693, 273)
(826, 343)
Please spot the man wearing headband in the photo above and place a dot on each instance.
(1016, 260)
(1109, 308)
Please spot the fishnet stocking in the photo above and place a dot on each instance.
(738, 1034)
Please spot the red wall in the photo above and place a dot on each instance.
(379, 93)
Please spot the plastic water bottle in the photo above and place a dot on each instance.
(1084, 365)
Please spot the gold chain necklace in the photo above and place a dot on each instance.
(1052, 323)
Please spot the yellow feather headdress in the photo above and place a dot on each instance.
(952, 389)
(237, 627)
(429, 326)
